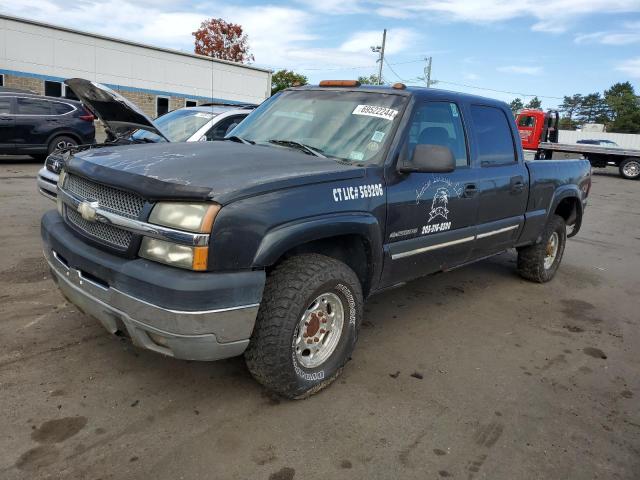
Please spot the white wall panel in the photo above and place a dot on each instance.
(624, 140)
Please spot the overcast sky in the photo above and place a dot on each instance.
(548, 48)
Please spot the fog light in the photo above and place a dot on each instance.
(158, 340)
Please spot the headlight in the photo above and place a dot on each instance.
(192, 217)
(193, 258)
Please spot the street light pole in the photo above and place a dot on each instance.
(380, 49)
(427, 72)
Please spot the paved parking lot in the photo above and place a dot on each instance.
(475, 374)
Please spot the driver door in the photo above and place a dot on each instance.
(431, 217)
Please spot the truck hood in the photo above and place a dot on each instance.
(219, 171)
(117, 113)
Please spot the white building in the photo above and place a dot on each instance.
(38, 56)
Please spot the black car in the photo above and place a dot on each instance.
(34, 125)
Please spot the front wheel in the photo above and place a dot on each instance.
(540, 262)
(307, 325)
(630, 168)
(61, 143)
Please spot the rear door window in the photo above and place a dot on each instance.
(493, 136)
(5, 106)
(33, 106)
(60, 108)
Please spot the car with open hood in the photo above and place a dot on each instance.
(268, 243)
(127, 124)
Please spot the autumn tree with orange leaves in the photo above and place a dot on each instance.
(220, 39)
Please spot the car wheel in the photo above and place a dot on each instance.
(630, 168)
(307, 325)
(60, 143)
(540, 262)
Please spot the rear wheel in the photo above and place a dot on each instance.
(307, 325)
(539, 263)
(630, 168)
(60, 143)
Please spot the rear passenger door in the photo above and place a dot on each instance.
(430, 216)
(34, 122)
(502, 180)
(7, 124)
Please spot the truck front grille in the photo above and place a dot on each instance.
(112, 199)
(117, 201)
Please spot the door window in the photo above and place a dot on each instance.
(439, 123)
(493, 136)
(33, 106)
(218, 131)
(5, 106)
(60, 108)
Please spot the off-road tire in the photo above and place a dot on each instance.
(290, 288)
(624, 165)
(531, 259)
(54, 145)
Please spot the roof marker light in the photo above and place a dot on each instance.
(339, 83)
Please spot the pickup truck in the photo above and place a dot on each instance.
(267, 244)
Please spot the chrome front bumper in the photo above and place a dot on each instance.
(190, 335)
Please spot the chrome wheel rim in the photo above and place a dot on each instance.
(552, 250)
(631, 169)
(319, 330)
(62, 144)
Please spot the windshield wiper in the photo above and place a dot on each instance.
(299, 146)
(235, 138)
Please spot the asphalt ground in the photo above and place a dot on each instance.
(473, 374)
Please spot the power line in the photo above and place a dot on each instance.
(499, 91)
(392, 70)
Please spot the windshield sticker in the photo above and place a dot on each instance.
(377, 136)
(304, 116)
(375, 111)
(373, 146)
(454, 109)
(356, 155)
(342, 194)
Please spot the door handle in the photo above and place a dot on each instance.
(517, 184)
(470, 191)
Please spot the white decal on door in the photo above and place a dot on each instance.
(443, 189)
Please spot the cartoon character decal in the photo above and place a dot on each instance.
(443, 189)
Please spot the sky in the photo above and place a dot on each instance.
(496, 48)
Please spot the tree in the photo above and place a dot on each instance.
(593, 109)
(286, 78)
(217, 38)
(516, 105)
(370, 80)
(569, 107)
(621, 99)
(535, 103)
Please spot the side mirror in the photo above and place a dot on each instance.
(429, 159)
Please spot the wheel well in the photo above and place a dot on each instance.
(353, 250)
(568, 209)
(64, 134)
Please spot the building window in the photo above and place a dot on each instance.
(52, 89)
(190, 103)
(162, 105)
(1, 79)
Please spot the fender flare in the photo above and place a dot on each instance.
(284, 237)
(568, 191)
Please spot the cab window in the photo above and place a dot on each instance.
(439, 123)
(493, 136)
(527, 121)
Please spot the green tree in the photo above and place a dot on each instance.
(286, 78)
(570, 105)
(534, 104)
(624, 108)
(593, 109)
(516, 105)
(370, 80)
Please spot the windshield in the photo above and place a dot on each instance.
(352, 126)
(177, 126)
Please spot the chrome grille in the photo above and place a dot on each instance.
(112, 199)
(102, 231)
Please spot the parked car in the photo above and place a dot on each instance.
(126, 124)
(35, 125)
(602, 143)
(267, 244)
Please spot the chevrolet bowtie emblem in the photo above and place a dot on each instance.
(88, 210)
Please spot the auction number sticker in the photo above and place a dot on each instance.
(375, 111)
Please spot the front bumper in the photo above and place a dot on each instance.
(154, 304)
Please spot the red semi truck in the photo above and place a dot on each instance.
(539, 132)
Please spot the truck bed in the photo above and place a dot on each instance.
(582, 148)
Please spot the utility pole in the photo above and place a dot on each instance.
(380, 49)
(427, 71)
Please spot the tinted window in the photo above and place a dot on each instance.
(218, 132)
(5, 105)
(493, 136)
(33, 106)
(439, 123)
(52, 89)
(60, 108)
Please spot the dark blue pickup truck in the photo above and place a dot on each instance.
(268, 243)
